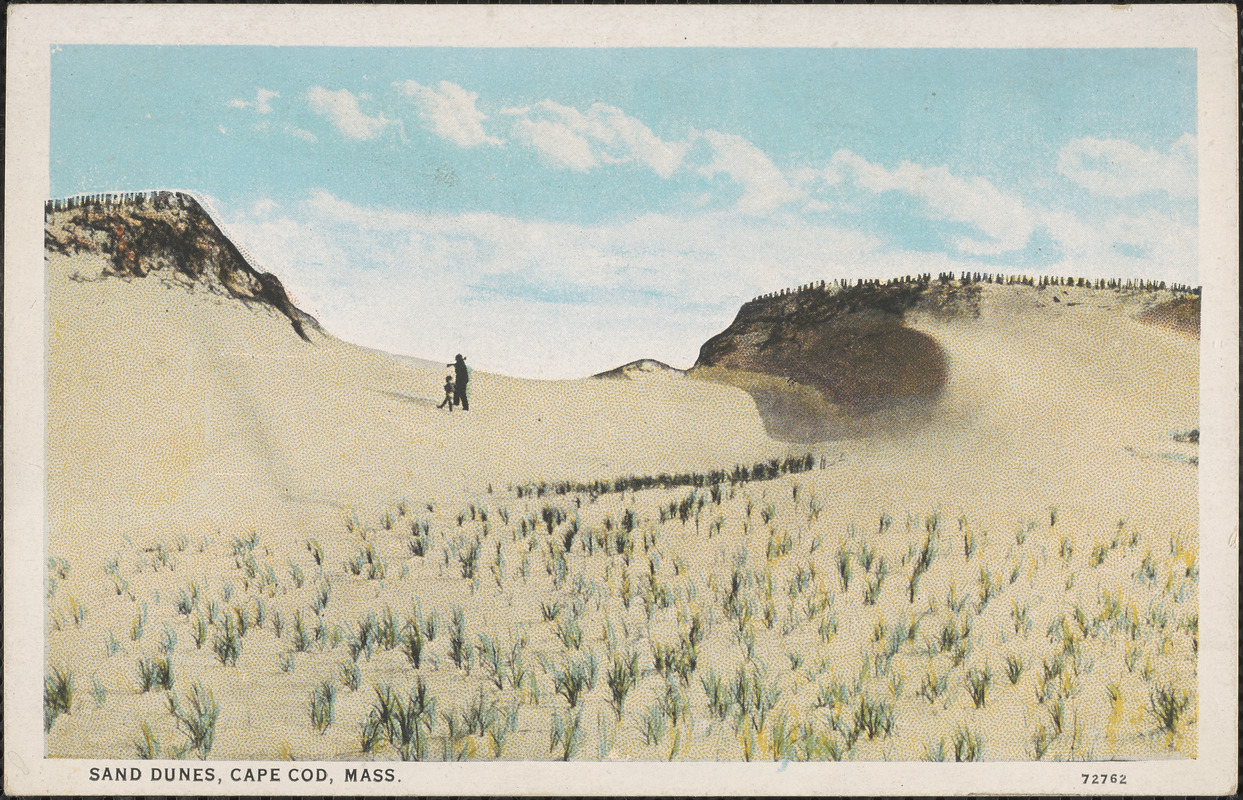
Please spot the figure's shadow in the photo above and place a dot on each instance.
(407, 398)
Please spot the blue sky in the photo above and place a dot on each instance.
(557, 212)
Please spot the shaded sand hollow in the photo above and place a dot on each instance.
(177, 413)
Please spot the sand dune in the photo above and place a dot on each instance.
(174, 408)
(198, 448)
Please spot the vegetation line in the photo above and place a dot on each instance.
(759, 471)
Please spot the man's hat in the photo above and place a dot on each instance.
(458, 357)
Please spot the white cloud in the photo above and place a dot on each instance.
(1121, 169)
(1141, 245)
(567, 138)
(449, 111)
(634, 140)
(262, 104)
(301, 133)
(559, 145)
(263, 206)
(341, 109)
(1002, 217)
(764, 187)
(541, 298)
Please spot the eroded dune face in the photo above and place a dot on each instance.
(850, 344)
(884, 358)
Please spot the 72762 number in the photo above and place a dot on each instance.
(1103, 777)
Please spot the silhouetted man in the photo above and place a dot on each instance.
(459, 383)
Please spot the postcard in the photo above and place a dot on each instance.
(634, 400)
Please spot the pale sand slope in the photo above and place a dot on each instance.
(1044, 401)
(176, 410)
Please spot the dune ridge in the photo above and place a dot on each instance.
(164, 232)
(826, 361)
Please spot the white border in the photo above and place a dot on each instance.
(1210, 29)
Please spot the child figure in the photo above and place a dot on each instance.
(448, 401)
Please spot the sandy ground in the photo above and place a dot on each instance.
(184, 419)
(172, 409)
